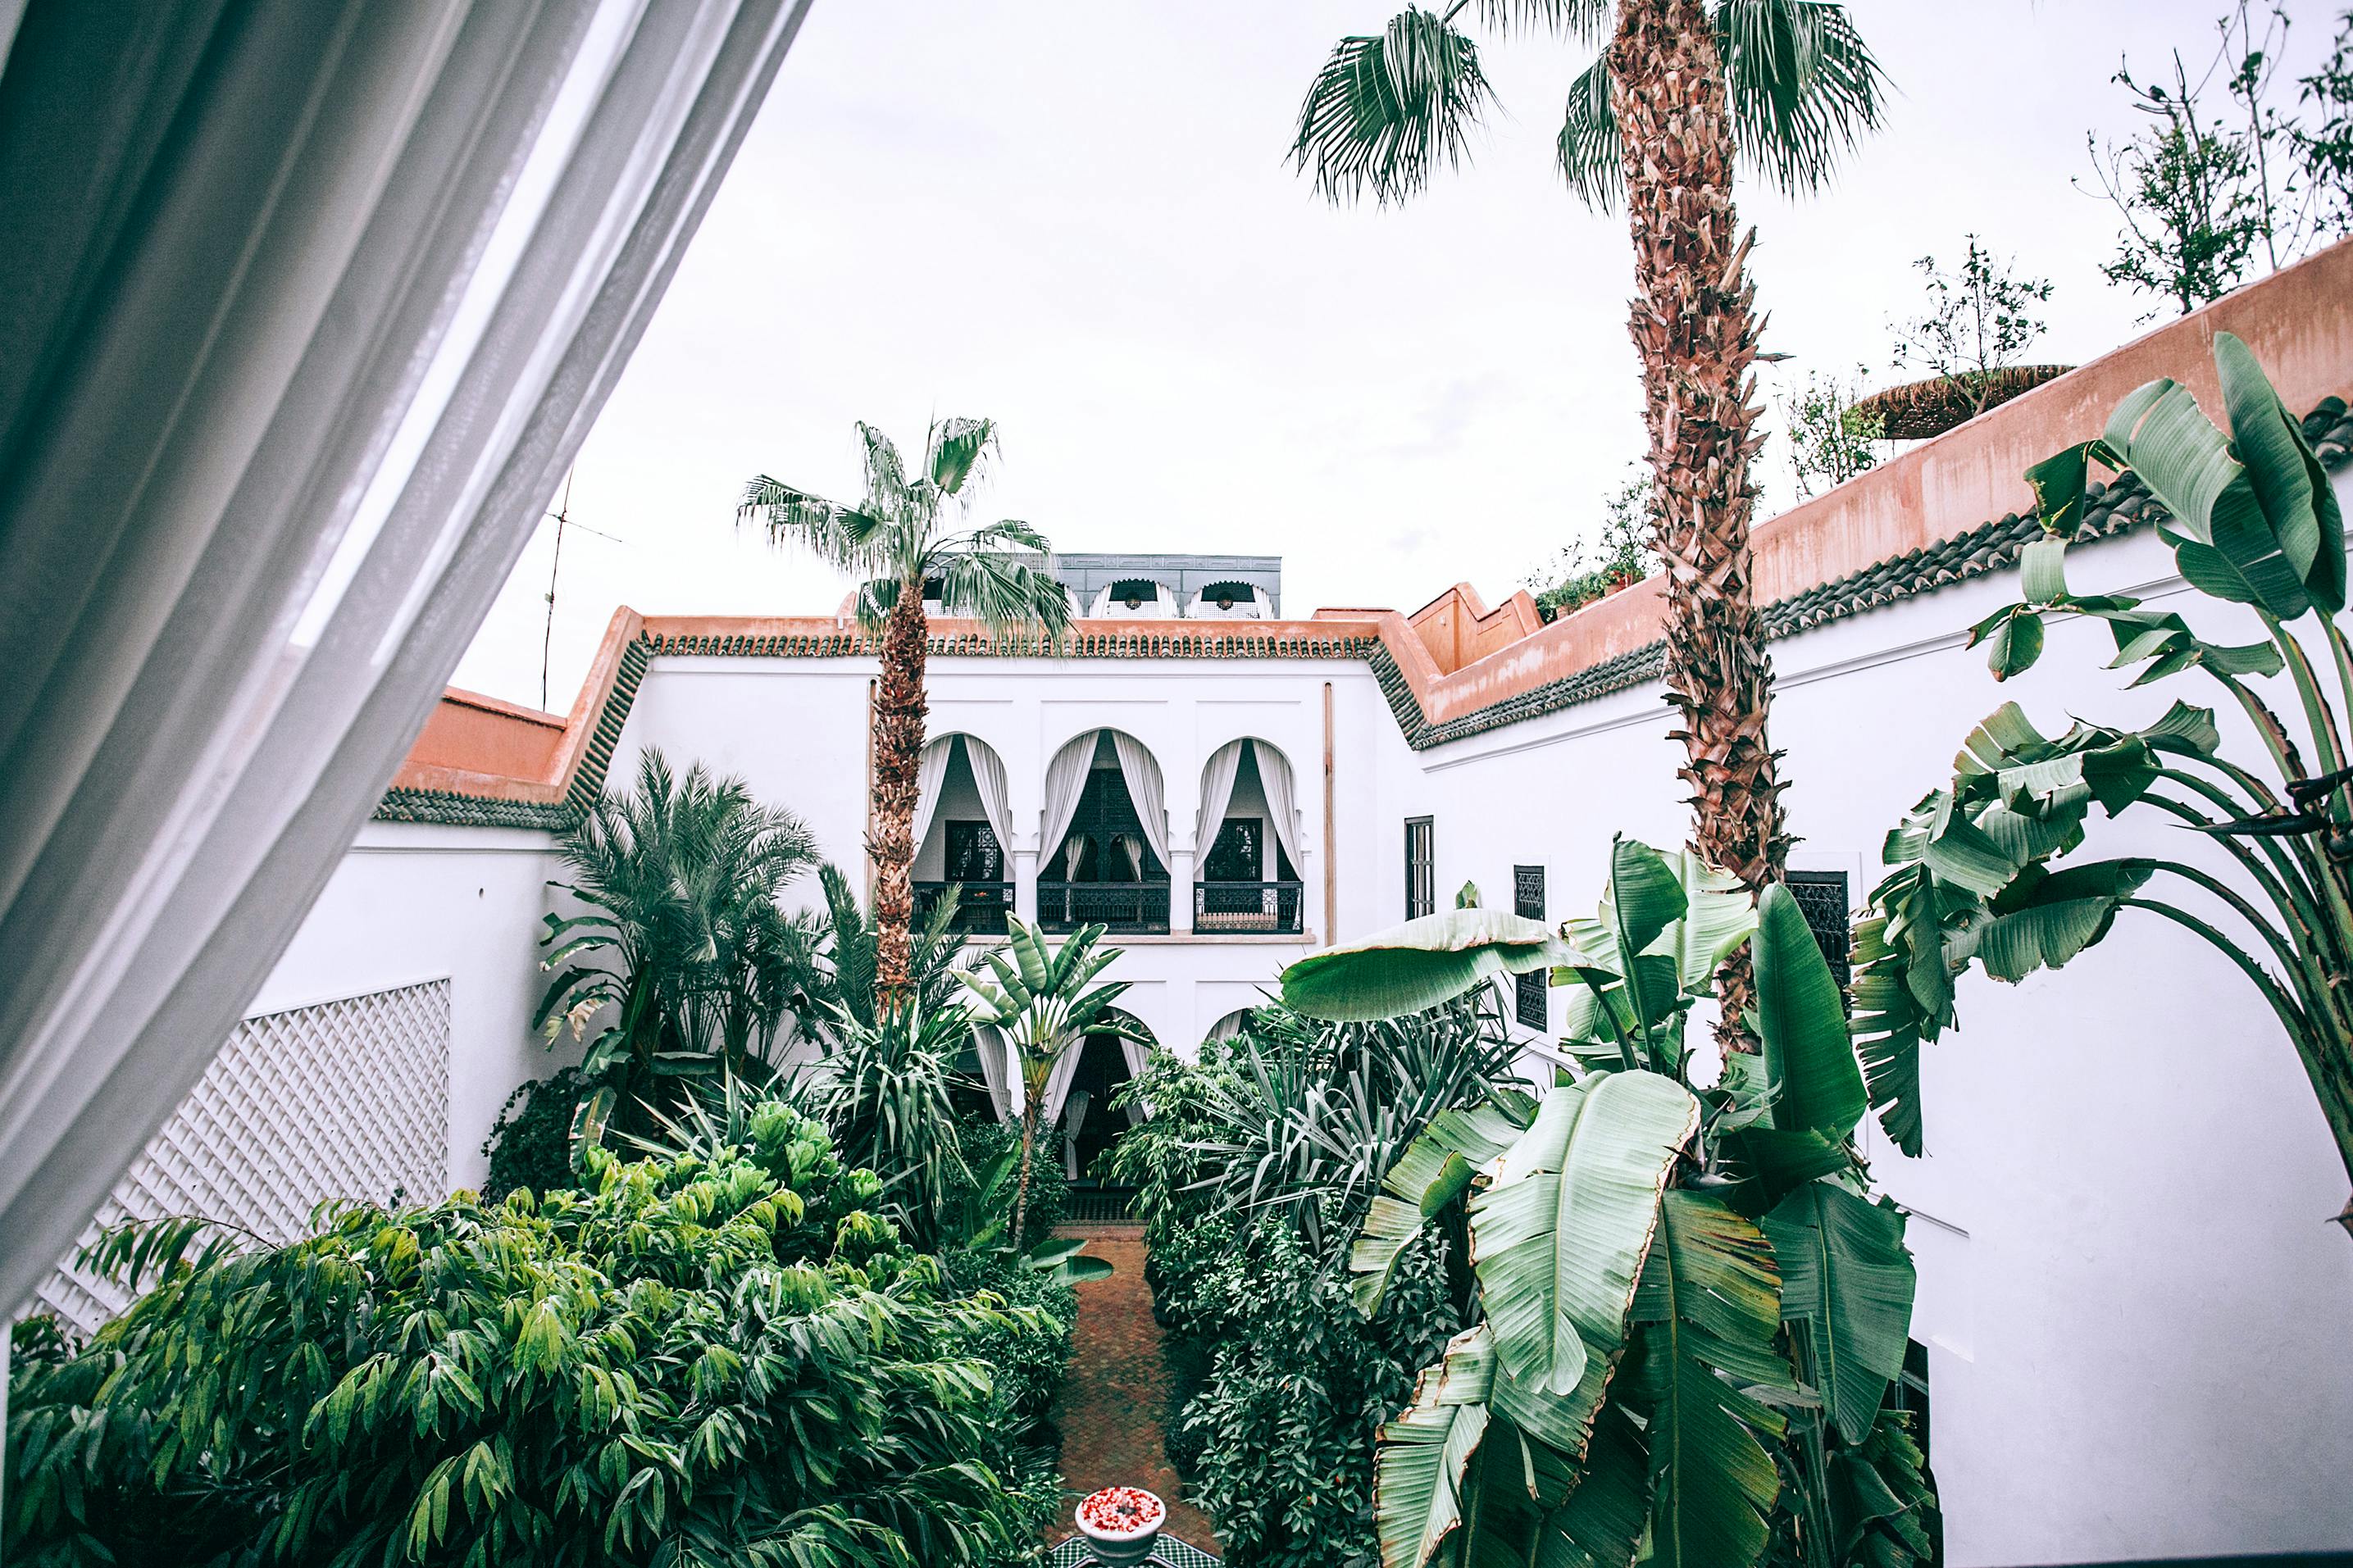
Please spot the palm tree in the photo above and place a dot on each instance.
(903, 541)
(1684, 89)
(1041, 1004)
(684, 935)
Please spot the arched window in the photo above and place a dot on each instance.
(1248, 837)
(1107, 827)
(964, 831)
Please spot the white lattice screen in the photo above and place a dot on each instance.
(343, 1100)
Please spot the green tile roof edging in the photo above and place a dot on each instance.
(1990, 547)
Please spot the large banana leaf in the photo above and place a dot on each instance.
(2282, 469)
(1417, 1474)
(1601, 1523)
(1666, 923)
(1817, 1087)
(1845, 1275)
(1709, 1309)
(1436, 1168)
(1417, 965)
(1559, 1249)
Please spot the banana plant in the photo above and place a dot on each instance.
(1982, 872)
(1690, 1310)
(1041, 1004)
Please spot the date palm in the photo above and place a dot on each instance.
(904, 539)
(1682, 91)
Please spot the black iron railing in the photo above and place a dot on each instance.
(1123, 906)
(981, 907)
(1246, 907)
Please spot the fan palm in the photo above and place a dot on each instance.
(1684, 89)
(685, 938)
(904, 541)
(1041, 1004)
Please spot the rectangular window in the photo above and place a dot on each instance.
(1530, 1001)
(1420, 869)
(1822, 896)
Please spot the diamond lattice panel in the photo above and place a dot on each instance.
(347, 1099)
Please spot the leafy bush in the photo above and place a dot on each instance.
(1257, 1160)
(530, 1145)
(700, 1360)
(985, 1139)
(1301, 1387)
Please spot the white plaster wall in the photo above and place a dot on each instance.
(415, 902)
(2134, 1312)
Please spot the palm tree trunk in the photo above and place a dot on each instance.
(1021, 1182)
(898, 758)
(1696, 330)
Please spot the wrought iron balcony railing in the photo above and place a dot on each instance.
(981, 907)
(1250, 908)
(1131, 907)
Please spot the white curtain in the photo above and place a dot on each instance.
(1282, 804)
(1217, 794)
(1066, 780)
(997, 1069)
(310, 304)
(1058, 1083)
(1074, 1121)
(1137, 1053)
(930, 773)
(1127, 857)
(995, 799)
(1143, 776)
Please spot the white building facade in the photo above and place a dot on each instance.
(2130, 1319)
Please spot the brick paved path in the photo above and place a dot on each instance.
(1111, 1401)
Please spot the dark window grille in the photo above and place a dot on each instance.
(1420, 869)
(974, 855)
(1529, 1000)
(1822, 896)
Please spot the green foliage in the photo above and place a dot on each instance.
(1831, 440)
(1386, 112)
(983, 1144)
(2221, 178)
(842, 980)
(720, 1358)
(886, 1090)
(1981, 871)
(530, 1145)
(685, 950)
(1588, 570)
(1979, 320)
(1300, 1386)
(901, 535)
(1646, 1362)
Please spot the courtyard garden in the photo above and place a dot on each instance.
(777, 1263)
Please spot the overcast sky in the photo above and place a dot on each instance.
(1075, 217)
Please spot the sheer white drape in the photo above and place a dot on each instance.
(310, 305)
(1142, 774)
(1137, 1053)
(1216, 793)
(1066, 780)
(996, 797)
(931, 773)
(1074, 1121)
(997, 1069)
(1058, 1084)
(1282, 801)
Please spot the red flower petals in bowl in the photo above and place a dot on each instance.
(1122, 1514)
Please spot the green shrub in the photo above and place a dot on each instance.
(1285, 1428)
(984, 1139)
(699, 1360)
(530, 1145)
(1189, 1361)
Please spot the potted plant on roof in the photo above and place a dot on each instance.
(1977, 325)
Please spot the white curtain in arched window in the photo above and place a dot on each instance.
(1274, 778)
(931, 774)
(1225, 764)
(1142, 774)
(1066, 780)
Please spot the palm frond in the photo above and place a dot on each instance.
(956, 452)
(1588, 19)
(885, 472)
(1003, 592)
(845, 538)
(1803, 85)
(1589, 148)
(1385, 112)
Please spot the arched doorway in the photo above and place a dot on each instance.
(1089, 1128)
(1248, 832)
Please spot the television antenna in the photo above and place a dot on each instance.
(563, 516)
